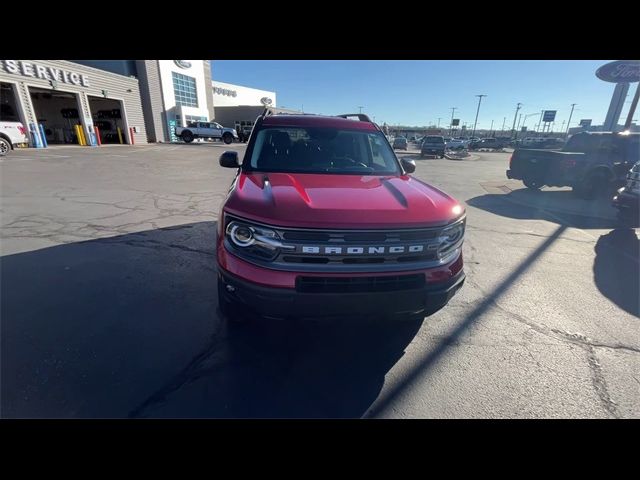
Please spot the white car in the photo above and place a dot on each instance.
(455, 144)
(11, 134)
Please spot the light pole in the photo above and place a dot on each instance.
(473, 134)
(491, 129)
(453, 109)
(573, 105)
(439, 121)
(360, 109)
(503, 122)
(513, 129)
(540, 122)
(527, 116)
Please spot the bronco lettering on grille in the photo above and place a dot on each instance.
(362, 250)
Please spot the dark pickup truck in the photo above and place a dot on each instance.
(591, 163)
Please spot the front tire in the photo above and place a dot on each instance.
(5, 147)
(227, 138)
(187, 137)
(596, 184)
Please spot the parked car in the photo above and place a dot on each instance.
(488, 143)
(627, 199)
(206, 130)
(590, 162)
(456, 144)
(432, 145)
(11, 134)
(323, 219)
(400, 143)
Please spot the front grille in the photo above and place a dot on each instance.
(357, 237)
(392, 283)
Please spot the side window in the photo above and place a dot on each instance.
(376, 151)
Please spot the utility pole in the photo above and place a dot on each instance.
(491, 129)
(520, 120)
(562, 127)
(477, 112)
(360, 109)
(439, 121)
(513, 129)
(453, 109)
(573, 105)
(503, 122)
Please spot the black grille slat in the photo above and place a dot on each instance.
(391, 283)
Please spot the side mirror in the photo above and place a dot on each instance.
(229, 159)
(409, 166)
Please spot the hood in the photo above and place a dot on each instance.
(339, 201)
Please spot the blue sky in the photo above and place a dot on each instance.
(418, 92)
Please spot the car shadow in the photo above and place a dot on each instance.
(128, 327)
(616, 269)
(546, 205)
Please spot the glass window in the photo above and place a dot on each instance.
(322, 150)
(184, 89)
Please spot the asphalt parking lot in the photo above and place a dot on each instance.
(109, 303)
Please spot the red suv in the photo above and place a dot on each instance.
(322, 219)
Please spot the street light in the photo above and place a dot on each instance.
(473, 134)
(360, 109)
(573, 105)
(453, 109)
(513, 129)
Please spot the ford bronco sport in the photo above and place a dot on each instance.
(322, 219)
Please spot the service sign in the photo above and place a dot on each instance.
(621, 71)
(29, 69)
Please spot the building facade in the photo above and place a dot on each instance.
(237, 106)
(122, 101)
(59, 95)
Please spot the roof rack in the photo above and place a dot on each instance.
(361, 116)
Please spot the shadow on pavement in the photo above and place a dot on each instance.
(616, 269)
(128, 326)
(542, 205)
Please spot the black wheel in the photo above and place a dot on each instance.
(532, 183)
(596, 184)
(5, 147)
(187, 136)
(227, 138)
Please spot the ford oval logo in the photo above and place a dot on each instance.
(620, 71)
(183, 63)
(266, 101)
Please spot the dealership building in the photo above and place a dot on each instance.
(121, 101)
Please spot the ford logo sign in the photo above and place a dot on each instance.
(266, 101)
(183, 63)
(620, 71)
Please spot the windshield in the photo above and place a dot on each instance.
(322, 150)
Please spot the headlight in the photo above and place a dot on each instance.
(247, 239)
(241, 235)
(450, 239)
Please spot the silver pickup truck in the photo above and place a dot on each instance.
(206, 130)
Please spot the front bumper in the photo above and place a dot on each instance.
(626, 200)
(284, 302)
